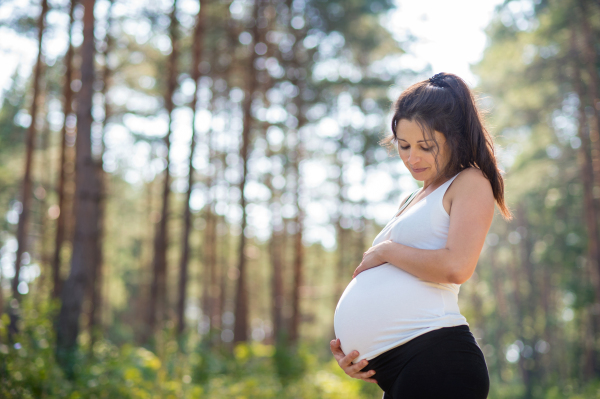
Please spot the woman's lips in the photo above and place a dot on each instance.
(418, 170)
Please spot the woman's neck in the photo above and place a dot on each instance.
(434, 182)
(427, 183)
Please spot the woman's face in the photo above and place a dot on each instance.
(419, 153)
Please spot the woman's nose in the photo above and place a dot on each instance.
(413, 158)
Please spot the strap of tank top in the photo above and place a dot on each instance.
(449, 181)
(410, 197)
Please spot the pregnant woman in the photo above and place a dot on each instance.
(398, 323)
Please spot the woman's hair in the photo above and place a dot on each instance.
(445, 104)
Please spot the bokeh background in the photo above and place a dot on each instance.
(186, 188)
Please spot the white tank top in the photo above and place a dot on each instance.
(385, 307)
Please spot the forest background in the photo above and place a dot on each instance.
(189, 186)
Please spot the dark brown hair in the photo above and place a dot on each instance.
(445, 104)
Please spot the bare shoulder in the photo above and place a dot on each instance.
(470, 185)
(474, 178)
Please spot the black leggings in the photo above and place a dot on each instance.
(445, 363)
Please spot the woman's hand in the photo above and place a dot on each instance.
(345, 362)
(371, 258)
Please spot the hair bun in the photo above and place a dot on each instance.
(438, 80)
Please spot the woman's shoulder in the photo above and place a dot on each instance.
(470, 197)
(472, 182)
(472, 172)
(471, 189)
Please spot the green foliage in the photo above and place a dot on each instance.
(290, 363)
(12, 135)
(12, 139)
(538, 262)
(29, 369)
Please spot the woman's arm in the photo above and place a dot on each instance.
(472, 211)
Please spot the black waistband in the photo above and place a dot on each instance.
(388, 364)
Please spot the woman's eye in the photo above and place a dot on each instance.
(407, 147)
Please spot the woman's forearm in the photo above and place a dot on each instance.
(435, 265)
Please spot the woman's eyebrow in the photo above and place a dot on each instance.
(420, 141)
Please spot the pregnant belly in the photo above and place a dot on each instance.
(384, 305)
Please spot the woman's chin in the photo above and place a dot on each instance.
(418, 176)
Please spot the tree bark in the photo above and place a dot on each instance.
(240, 329)
(298, 255)
(529, 299)
(224, 263)
(340, 237)
(30, 143)
(276, 258)
(277, 288)
(36, 291)
(589, 204)
(97, 272)
(210, 260)
(86, 213)
(587, 169)
(502, 308)
(276, 241)
(210, 286)
(1, 295)
(224, 256)
(67, 109)
(299, 219)
(591, 62)
(158, 294)
(187, 219)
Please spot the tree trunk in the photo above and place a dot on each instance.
(518, 311)
(224, 262)
(187, 219)
(67, 109)
(498, 289)
(546, 291)
(209, 266)
(224, 258)
(95, 322)
(276, 259)
(36, 291)
(362, 244)
(590, 59)
(1, 295)
(30, 142)
(209, 246)
(587, 177)
(158, 294)
(277, 289)
(502, 308)
(587, 339)
(86, 213)
(240, 329)
(587, 171)
(341, 237)
(298, 248)
(299, 219)
(148, 251)
(216, 285)
(529, 299)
